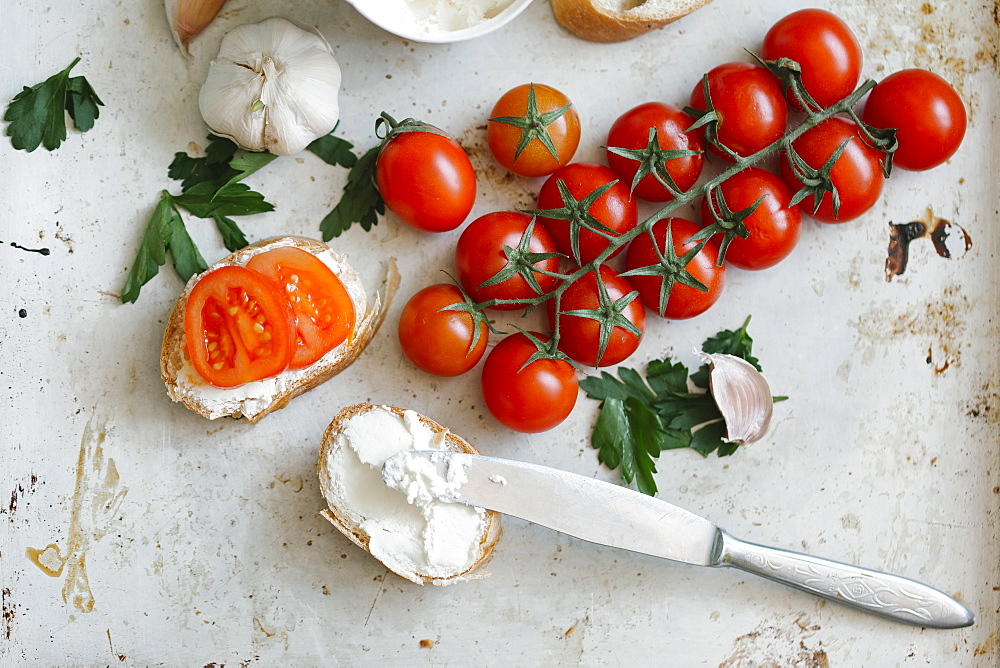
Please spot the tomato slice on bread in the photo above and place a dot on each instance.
(323, 310)
(238, 326)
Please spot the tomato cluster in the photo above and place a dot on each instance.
(832, 167)
(284, 309)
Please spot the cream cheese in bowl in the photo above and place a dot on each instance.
(440, 21)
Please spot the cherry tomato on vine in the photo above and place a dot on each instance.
(437, 340)
(614, 210)
(683, 300)
(324, 312)
(580, 335)
(631, 131)
(533, 130)
(773, 226)
(750, 104)
(426, 179)
(531, 399)
(494, 245)
(238, 327)
(824, 47)
(927, 113)
(857, 174)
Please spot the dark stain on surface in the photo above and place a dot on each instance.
(943, 235)
(40, 251)
(7, 606)
(900, 236)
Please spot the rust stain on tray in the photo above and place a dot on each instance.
(941, 319)
(97, 497)
(772, 645)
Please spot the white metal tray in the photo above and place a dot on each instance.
(205, 545)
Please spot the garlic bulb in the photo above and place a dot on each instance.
(273, 87)
(189, 17)
(743, 397)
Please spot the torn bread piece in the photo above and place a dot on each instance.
(258, 398)
(430, 542)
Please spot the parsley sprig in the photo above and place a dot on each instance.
(671, 409)
(37, 114)
(211, 189)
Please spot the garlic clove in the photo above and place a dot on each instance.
(273, 87)
(188, 18)
(742, 395)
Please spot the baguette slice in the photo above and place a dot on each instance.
(254, 400)
(619, 20)
(341, 518)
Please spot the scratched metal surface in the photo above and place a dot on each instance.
(134, 532)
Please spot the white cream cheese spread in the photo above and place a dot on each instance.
(409, 531)
(251, 398)
(433, 16)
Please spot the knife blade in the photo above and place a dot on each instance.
(608, 514)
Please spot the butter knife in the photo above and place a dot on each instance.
(612, 515)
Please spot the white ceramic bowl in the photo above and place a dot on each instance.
(394, 17)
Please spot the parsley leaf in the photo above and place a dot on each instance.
(640, 418)
(37, 114)
(214, 166)
(210, 189)
(206, 200)
(361, 201)
(334, 151)
(153, 249)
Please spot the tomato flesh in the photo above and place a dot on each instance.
(323, 310)
(238, 327)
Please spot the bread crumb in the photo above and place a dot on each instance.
(426, 644)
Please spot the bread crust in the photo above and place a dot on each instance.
(591, 21)
(491, 525)
(173, 352)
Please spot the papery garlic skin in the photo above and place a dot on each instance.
(742, 395)
(273, 87)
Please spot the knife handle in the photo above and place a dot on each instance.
(882, 594)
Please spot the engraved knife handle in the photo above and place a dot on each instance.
(890, 596)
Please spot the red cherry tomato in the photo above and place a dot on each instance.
(927, 113)
(750, 104)
(857, 174)
(533, 399)
(504, 134)
(238, 327)
(427, 180)
(824, 47)
(773, 226)
(683, 301)
(579, 335)
(324, 312)
(480, 255)
(440, 341)
(631, 131)
(615, 209)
